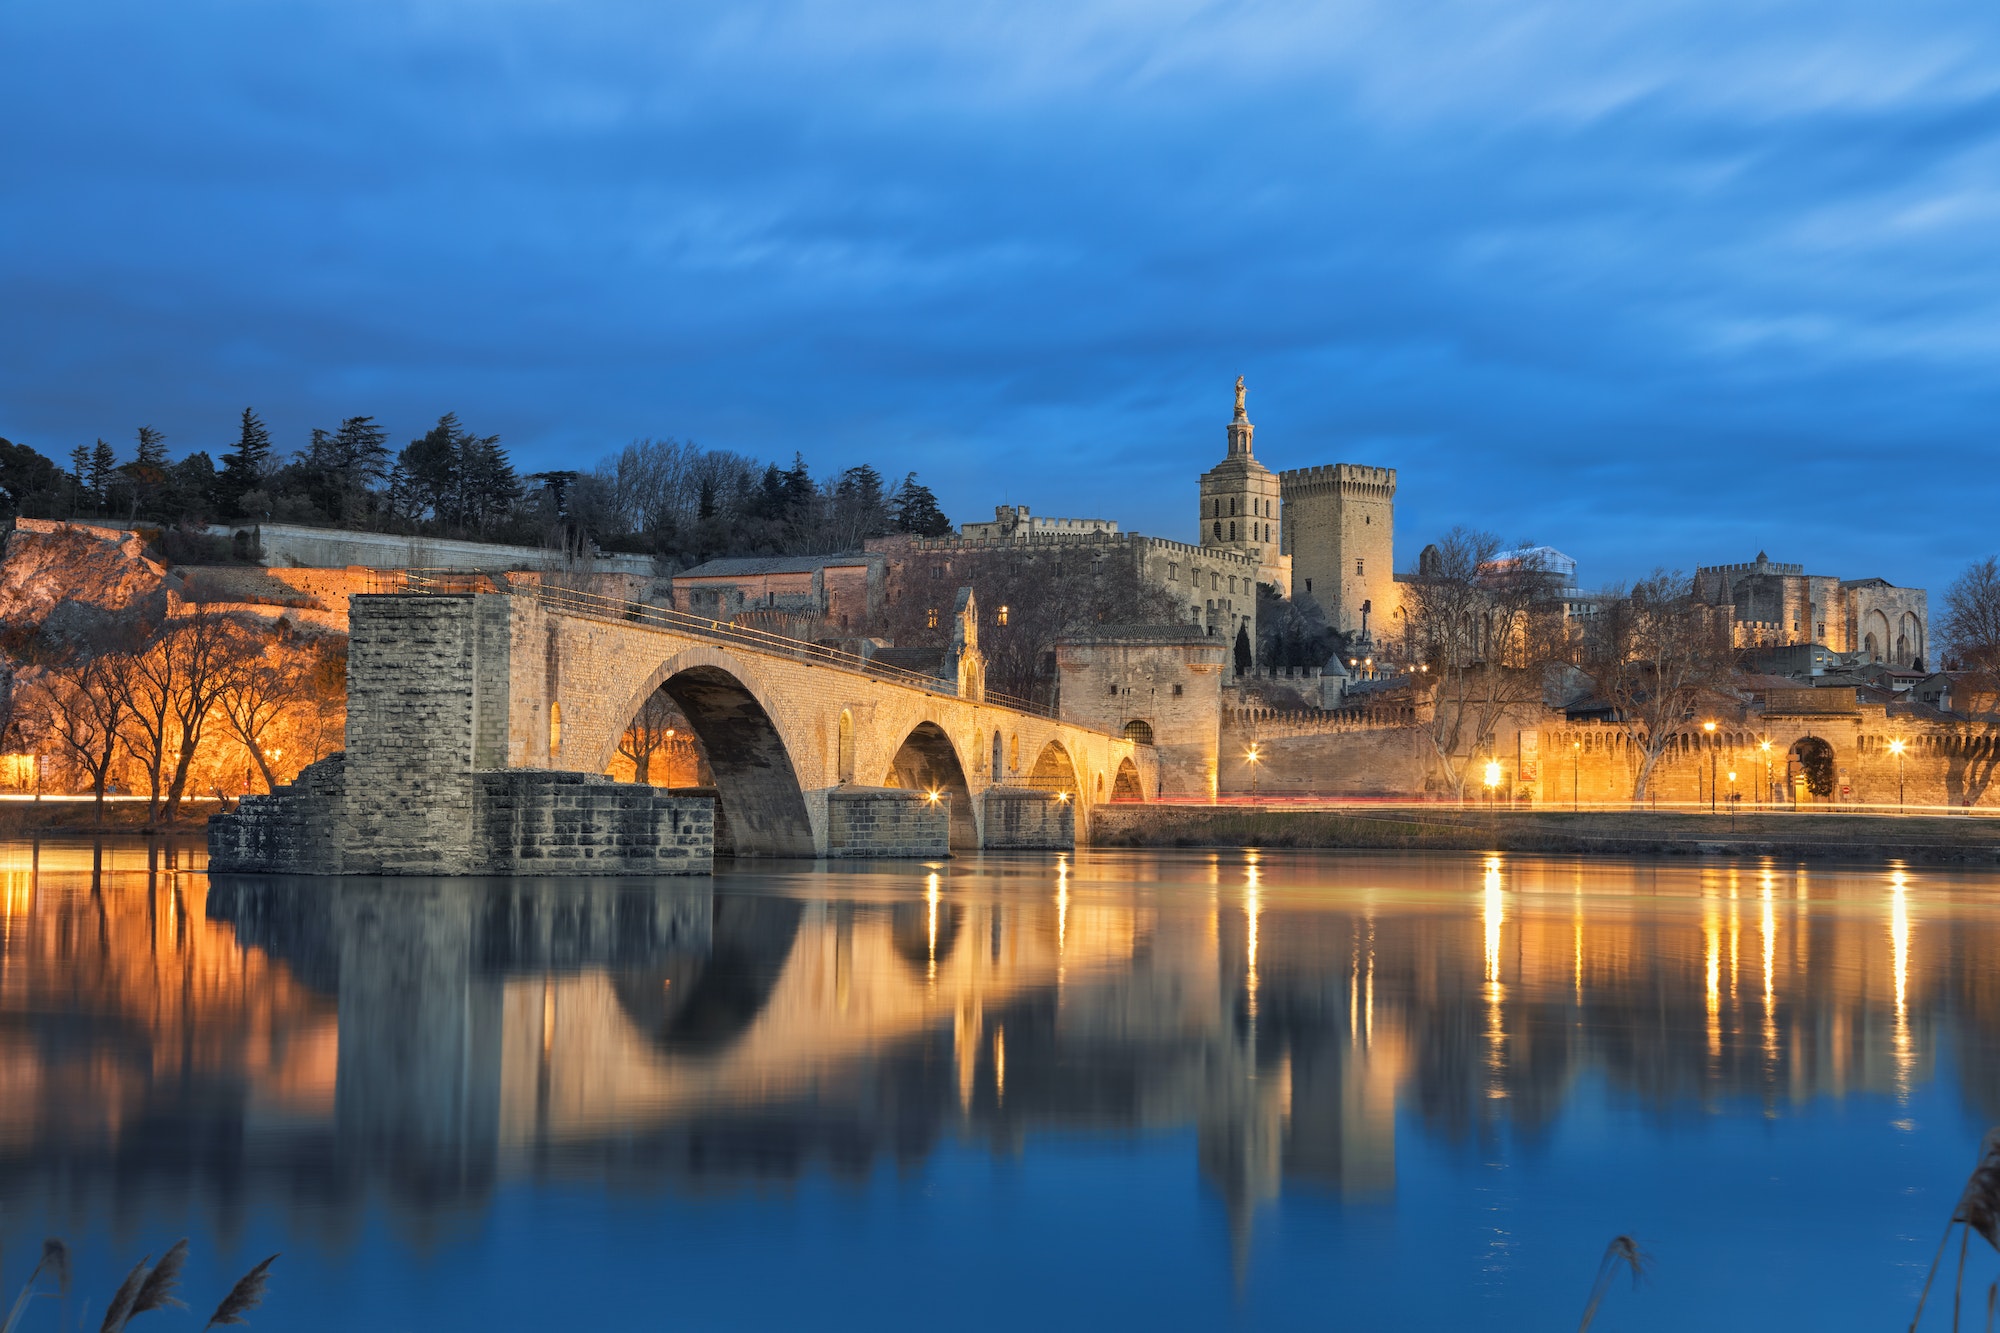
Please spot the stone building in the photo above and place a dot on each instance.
(1160, 685)
(1322, 533)
(1015, 523)
(1340, 528)
(840, 591)
(1240, 502)
(1777, 604)
(1216, 585)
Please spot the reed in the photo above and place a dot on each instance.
(1622, 1250)
(54, 1262)
(243, 1297)
(1978, 1210)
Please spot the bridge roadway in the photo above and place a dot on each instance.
(786, 726)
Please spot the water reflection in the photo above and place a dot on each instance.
(318, 1043)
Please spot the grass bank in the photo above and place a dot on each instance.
(23, 817)
(1785, 836)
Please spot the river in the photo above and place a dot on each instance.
(1177, 1089)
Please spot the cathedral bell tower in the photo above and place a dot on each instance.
(1240, 504)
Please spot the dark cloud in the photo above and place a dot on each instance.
(1654, 283)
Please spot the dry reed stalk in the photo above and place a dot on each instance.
(1622, 1249)
(54, 1261)
(1978, 1210)
(128, 1291)
(156, 1292)
(243, 1297)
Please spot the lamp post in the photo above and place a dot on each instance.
(1732, 800)
(1896, 748)
(1709, 727)
(1253, 757)
(1492, 775)
(1765, 746)
(1576, 775)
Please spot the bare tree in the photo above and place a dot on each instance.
(258, 688)
(1660, 658)
(1971, 629)
(651, 729)
(1484, 627)
(82, 704)
(149, 689)
(207, 646)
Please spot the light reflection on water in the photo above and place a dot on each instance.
(1186, 1086)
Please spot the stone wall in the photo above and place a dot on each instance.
(1023, 819)
(294, 830)
(538, 822)
(321, 548)
(886, 821)
(1354, 761)
(1166, 680)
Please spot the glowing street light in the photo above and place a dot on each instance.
(1254, 759)
(1492, 774)
(1896, 748)
(1709, 727)
(1765, 746)
(1576, 775)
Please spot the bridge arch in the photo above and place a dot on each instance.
(928, 761)
(1127, 787)
(762, 802)
(1055, 771)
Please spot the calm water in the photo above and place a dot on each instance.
(1188, 1089)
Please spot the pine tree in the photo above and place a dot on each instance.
(103, 467)
(1244, 658)
(152, 449)
(245, 469)
(345, 466)
(917, 511)
(79, 467)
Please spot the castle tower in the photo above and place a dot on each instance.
(1240, 504)
(1340, 528)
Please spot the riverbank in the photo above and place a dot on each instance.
(18, 817)
(1943, 839)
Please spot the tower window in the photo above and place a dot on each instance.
(1358, 568)
(1309, 585)
(1232, 532)
(1218, 532)
(1232, 506)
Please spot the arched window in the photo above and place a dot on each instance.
(1218, 532)
(845, 757)
(1140, 731)
(999, 770)
(1232, 532)
(555, 730)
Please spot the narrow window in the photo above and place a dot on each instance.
(1177, 691)
(1358, 569)
(555, 730)
(1114, 692)
(931, 618)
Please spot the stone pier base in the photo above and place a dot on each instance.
(886, 821)
(524, 822)
(1025, 819)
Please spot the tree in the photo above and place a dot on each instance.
(1245, 658)
(1971, 628)
(152, 449)
(1483, 632)
(258, 687)
(344, 467)
(103, 467)
(648, 734)
(26, 478)
(245, 468)
(1660, 658)
(916, 510)
(146, 475)
(82, 704)
(462, 481)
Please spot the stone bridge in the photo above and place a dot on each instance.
(470, 709)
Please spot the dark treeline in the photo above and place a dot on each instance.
(657, 497)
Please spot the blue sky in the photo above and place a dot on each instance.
(1657, 284)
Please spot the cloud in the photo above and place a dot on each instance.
(1656, 283)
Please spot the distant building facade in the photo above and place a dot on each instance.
(1015, 523)
(839, 591)
(1241, 501)
(1777, 605)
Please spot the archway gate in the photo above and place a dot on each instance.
(787, 725)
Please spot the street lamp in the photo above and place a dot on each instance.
(1896, 748)
(1253, 757)
(1709, 727)
(1576, 775)
(1732, 800)
(1492, 778)
(1765, 746)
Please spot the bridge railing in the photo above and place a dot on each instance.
(575, 601)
